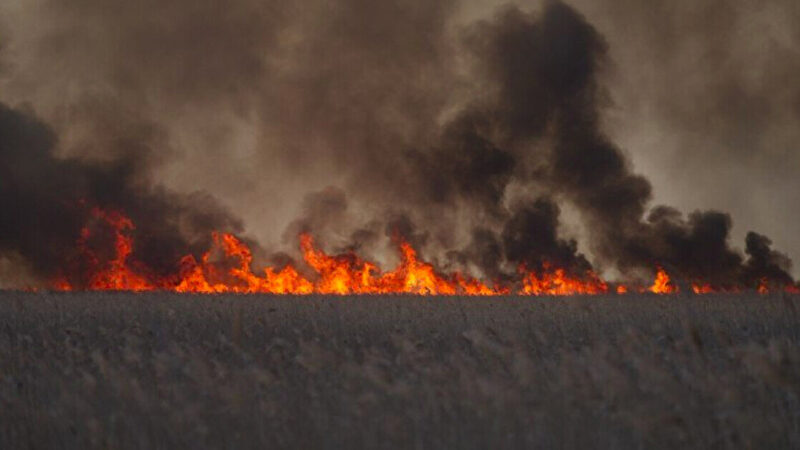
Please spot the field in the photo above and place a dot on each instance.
(169, 371)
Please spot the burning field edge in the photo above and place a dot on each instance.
(227, 267)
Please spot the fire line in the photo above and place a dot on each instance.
(333, 274)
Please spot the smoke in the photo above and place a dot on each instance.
(322, 211)
(706, 104)
(47, 202)
(359, 122)
(530, 237)
(466, 166)
(765, 264)
(545, 71)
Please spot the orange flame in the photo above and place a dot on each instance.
(118, 275)
(702, 288)
(195, 276)
(763, 286)
(663, 284)
(347, 274)
(227, 268)
(556, 282)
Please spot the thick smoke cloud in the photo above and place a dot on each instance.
(546, 69)
(47, 202)
(465, 165)
(764, 264)
(705, 97)
(465, 139)
(530, 237)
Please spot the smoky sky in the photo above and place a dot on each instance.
(706, 104)
(48, 201)
(468, 127)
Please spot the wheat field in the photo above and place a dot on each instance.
(157, 371)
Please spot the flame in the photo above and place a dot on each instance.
(347, 274)
(699, 287)
(195, 277)
(556, 282)
(763, 286)
(117, 275)
(662, 284)
(227, 268)
(60, 283)
(702, 288)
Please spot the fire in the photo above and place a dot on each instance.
(662, 283)
(707, 288)
(206, 277)
(227, 268)
(117, 276)
(347, 274)
(61, 284)
(556, 282)
(763, 287)
(702, 288)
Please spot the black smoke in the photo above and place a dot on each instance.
(544, 68)
(47, 201)
(468, 141)
(763, 264)
(530, 237)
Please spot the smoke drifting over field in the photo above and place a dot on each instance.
(48, 201)
(471, 141)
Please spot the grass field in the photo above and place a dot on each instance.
(170, 371)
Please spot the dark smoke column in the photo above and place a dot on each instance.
(47, 201)
(541, 128)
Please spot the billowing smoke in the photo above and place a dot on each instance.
(48, 201)
(530, 237)
(377, 121)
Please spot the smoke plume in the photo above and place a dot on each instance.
(358, 122)
(48, 202)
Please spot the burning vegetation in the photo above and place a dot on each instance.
(227, 268)
(475, 179)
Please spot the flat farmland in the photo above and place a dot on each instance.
(122, 370)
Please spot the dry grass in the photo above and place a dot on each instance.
(168, 371)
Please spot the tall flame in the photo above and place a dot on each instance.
(663, 284)
(118, 275)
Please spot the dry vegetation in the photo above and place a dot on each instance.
(169, 371)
